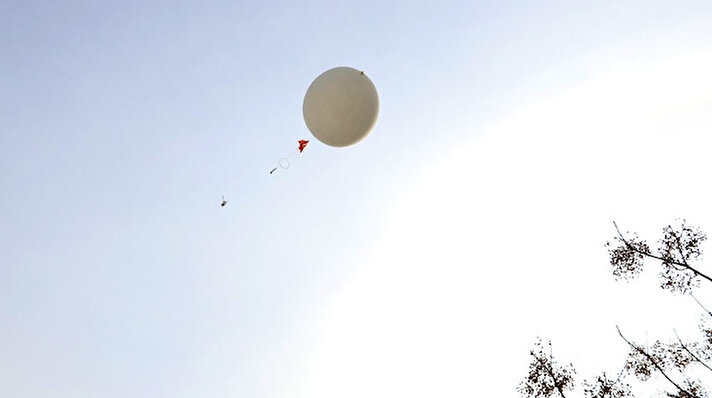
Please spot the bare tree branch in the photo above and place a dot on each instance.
(690, 352)
(665, 260)
(550, 371)
(654, 362)
(546, 378)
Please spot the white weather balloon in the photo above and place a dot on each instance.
(341, 106)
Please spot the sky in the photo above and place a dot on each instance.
(423, 261)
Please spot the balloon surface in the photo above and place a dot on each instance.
(341, 106)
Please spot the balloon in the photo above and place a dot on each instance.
(341, 107)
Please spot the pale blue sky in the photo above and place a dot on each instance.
(122, 124)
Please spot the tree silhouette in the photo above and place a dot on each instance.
(546, 377)
(678, 252)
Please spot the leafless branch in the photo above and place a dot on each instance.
(690, 352)
(700, 304)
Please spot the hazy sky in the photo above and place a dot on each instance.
(421, 262)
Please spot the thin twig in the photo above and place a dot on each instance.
(690, 352)
(700, 304)
(679, 245)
